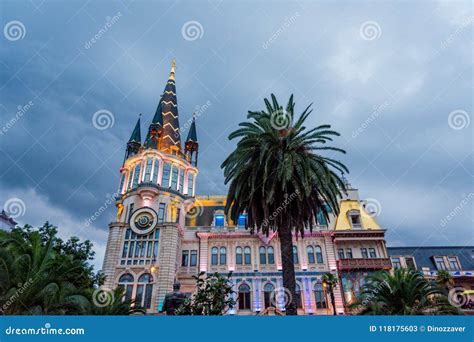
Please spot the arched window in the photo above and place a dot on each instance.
(269, 295)
(263, 255)
(247, 257)
(244, 297)
(271, 255)
(214, 256)
(144, 290)
(319, 255)
(148, 166)
(320, 297)
(136, 175)
(126, 283)
(295, 255)
(298, 301)
(238, 255)
(310, 251)
(223, 256)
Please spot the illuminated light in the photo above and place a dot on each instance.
(152, 269)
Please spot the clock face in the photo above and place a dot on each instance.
(143, 221)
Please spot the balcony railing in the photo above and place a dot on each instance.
(364, 263)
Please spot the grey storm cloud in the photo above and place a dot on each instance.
(385, 75)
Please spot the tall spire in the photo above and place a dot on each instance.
(155, 131)
(171, 142)
(136, 134)
(191, 146)
(135, 141)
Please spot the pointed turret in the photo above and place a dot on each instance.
(191, 146)
(155, 131)
(171, 142)
(135, 141)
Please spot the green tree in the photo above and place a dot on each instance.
(329, 282)
(279, 178)
(213, 296)
(445, 279)
(40, 274)
(403, 292)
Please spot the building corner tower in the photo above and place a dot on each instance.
(156, 189)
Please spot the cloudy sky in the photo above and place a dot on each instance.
(394, 78)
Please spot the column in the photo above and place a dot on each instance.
(167, 261)
(203, 252)
(331, 256)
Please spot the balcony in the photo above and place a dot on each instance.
(364, 263)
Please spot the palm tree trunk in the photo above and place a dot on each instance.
(333, 301)
(289, 282)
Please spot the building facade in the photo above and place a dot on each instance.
(164, 233)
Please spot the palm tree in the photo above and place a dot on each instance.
(445, 279)
(405, 292)
(330, 281)
(278, 177)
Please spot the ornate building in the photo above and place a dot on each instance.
(165, 234)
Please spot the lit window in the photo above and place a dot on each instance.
(161, 213)
(190, 184)
(299, 302)
(320, 297)
(219, 220)
(126, 283)
(165, 182)
(136, 175)
(295, 255)
(439, 263)
(349, 253)
(319, 255)
(122, 181)
(214, 252)
(174, 178)
(156, 164)
(263, 255)
(310, 252)
(372, 253)
(130, 179)
(247, 257)
(223, 256)
(238, 255)
(396, 263)
(269, 295)
(185, 258)
(144, 290)
(193, 261)
(271, 256)
(363, 252)
(149, 163)
(453, 264)
(340, 252)
(242, 220)
(244, 297)
(181, 180)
